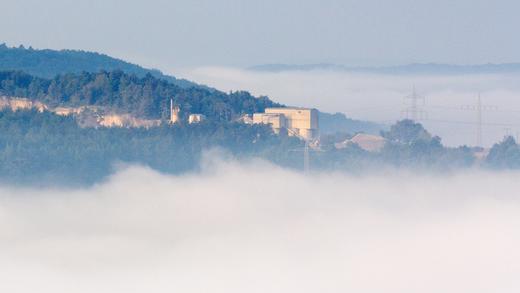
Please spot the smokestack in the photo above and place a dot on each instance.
(174, 113)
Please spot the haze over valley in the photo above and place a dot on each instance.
(279, 232)
(378, 96)
(259, 146)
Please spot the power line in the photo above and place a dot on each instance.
(474, 123)
(463, 109)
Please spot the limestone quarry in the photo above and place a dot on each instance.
(87, 116)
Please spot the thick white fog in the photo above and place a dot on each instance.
(381, 97)
(253, 227)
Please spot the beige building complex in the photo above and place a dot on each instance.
(301, 122)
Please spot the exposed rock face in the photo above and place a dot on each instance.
(21, 104)
(126, 120)
(65, 111)
(87, 116)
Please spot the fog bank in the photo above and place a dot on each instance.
(254, 227)
(380, 98)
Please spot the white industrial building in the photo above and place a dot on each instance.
(301, 122)
(196, 118)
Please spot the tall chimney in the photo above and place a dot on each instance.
(174, 113)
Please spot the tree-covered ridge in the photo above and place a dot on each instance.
(409, 143)
(504, 155)
(146, 97)
(338, 122)
(49, 63)
(44, 148)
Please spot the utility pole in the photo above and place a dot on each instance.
(479, 121)
(306, 161)
(413, 108)
(306, 150)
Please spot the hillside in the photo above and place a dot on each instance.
(81, 89)
(149, 98)
(338, 123)
(49, 63)
(146, 97)
(46, 149)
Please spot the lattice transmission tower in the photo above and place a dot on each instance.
(414, 107)
(479, 108)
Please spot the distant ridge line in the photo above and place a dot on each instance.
(47, 63)
(414, 68)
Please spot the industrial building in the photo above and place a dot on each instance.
(277, 121)
(301, 122)
(175, 115)
(196, 118)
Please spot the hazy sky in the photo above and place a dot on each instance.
(190, 33)
(381, 97)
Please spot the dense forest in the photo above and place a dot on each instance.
(44, 148)
(504, 155)
(49, 63)
(146, 97)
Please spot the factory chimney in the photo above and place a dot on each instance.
(174, 113)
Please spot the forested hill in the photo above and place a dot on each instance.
(49, 63)
(146, 97)
(126, 92)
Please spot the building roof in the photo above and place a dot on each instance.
(290, 108)
(368, 142)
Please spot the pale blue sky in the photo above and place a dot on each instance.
(189, 33)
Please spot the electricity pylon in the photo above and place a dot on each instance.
(414, 110)
(479, 108)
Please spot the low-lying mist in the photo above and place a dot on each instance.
(254, 227)
(449, 108)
